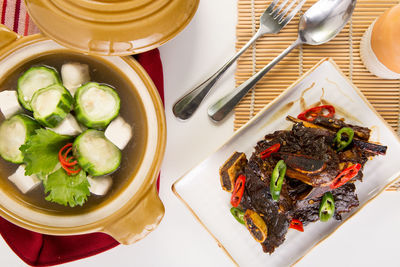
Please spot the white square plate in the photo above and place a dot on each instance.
(201, 191)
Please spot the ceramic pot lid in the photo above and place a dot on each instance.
(111, 27)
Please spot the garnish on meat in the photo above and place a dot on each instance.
(297, 225)
(327, 207)
(238, 191)
(277, 176)
(298, 176)
(238, 214)
(325, 111)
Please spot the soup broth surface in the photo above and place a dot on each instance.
(132, 111)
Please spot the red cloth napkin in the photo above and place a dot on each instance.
(44, 250)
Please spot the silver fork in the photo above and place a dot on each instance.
(271, 21)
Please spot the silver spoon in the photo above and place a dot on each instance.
(321, 22)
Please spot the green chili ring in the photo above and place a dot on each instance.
(277, 179)
(238, 214)
(327, 207)
(339, 143)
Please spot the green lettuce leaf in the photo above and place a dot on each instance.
(41, 151)
(67, 190)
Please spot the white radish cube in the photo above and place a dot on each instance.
(119, 132)
(9, 104)
(99, 185)
(69, 126)
(73, 75)
(23, 182)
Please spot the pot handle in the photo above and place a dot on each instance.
(139, 221)
(7, 36)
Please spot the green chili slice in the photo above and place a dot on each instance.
(238, 214)
(342, 144)
(327, 207)
(277, 179)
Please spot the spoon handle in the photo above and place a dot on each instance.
(225, 105)
(188, 104)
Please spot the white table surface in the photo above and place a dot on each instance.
(369, 239)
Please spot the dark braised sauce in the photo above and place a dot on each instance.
(312, 164)
(132, 111)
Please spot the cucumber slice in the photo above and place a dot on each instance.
(51, 105)
(95, 154)
(14, 132)
(96, 105)
(32, 80)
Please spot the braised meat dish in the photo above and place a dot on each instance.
(298, 176)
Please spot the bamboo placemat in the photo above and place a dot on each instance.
(384, 95)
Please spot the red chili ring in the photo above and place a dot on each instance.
(72, 162)
(66, 162)
(297, 225)
(238, 190)
(311, 113)
(67, 152)
(345, 176)
(69, 171)
(272, 149)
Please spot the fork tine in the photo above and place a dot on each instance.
(272, 5)
(293, 13)
(284, 12)
(279, 8)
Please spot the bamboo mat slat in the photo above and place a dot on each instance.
(384, 95)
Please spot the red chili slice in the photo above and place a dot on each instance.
(69, 160)
(65, 160)
(68, 163)
(272, 149)
(297, 225)
(312, 113)
(61, 156)
(70, 171)
(238, 190)
(346, 175)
